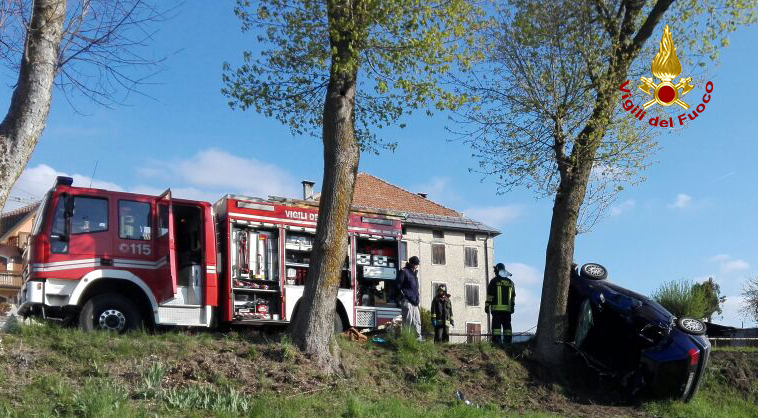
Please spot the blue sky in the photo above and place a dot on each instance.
(693, 218)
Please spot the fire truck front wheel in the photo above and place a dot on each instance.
(110, 312)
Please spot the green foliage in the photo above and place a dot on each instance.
(548, 91)
(398, 48)
(152, 376)
(426, 322)
(682, 299)
(50, 396)
(712, 293)
(222, 400)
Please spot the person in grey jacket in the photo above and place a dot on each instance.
(407, 287)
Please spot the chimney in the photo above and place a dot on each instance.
(422, 195)
(307, 189)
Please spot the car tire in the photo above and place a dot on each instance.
(110, 312)
(593, 271)
(691, 326)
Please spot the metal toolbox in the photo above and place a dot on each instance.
(380, 261)
(363, 259)
(379, 273)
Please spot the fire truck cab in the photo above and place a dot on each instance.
(119, 261)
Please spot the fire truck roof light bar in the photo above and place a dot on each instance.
(64, 181)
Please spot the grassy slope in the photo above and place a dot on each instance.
(50, 371)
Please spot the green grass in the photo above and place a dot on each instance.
(710, 402)
(714, 399)
(49, 371)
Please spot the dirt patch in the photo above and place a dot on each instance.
(738, 369)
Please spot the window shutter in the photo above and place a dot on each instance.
(438, 254)
(472, 295)
(471, 257)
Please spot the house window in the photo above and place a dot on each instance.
(470, 237)
(90, 215)
(403, 251)
(438, 234)
(472, 295)
(435, 286)
(134, 220)
(474, 331)
(438, 253)
(471, 259)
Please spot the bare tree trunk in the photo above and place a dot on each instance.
(551, 326)
(313, 330)
(575, 176)
(30, 104)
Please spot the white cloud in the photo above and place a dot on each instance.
(206, 176)
(728, 264)
(524, 273)
(528, 281)
(216, 170)
(682, 200)
(35, 181)
(617, 210)
(438, 189)
(496, 216)
(732, 313)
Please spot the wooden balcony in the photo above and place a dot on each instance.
(10, 280)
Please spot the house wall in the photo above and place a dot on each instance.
(22, 229)
(453, 273)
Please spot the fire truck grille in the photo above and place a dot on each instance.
(365, 319)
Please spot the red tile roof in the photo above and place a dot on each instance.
(373, 192)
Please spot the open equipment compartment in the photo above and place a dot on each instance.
(297, 256)
(376, 270)
(255, 282)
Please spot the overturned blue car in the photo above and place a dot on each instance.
(633, 338)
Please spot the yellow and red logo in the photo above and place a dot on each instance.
(665, 67)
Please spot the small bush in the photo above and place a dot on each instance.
(426, 322)
(682, 299)
(152, 376)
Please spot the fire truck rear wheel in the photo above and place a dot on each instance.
(110, 312)
(338, 327)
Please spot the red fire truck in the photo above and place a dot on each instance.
(117, 261)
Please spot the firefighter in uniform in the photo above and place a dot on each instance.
(500, 304)
(442, 315)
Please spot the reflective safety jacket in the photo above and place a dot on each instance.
(501, 296)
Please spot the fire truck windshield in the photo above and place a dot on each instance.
(40, 212)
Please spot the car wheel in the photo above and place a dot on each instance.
(593, 271)
(110, 312)
(691, 326)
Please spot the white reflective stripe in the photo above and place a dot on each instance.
(65, 263)
(79, 265)
(130, 261)
(96, 262)
(138, 264)
(266, 218)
